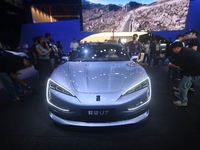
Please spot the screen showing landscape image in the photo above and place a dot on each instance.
(132, 16)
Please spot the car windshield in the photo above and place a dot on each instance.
(99, 52)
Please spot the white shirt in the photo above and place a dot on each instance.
(146, 47)
(157, 47)
(74, 46)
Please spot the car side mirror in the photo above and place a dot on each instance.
(134, 58)
(65, 58)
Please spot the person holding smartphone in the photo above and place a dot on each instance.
(45, 68)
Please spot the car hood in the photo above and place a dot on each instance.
(98, 77)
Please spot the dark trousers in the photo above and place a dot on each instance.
(145, 56)
(152, 57)
(45, 70)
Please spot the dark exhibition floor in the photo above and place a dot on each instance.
(27, 126)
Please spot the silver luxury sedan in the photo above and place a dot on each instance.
(99, 85)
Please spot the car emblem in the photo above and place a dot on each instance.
(98, 98)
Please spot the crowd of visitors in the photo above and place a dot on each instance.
(147, 52)
(44, 54)
(183, 56)
(184, 61)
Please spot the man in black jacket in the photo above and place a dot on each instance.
(9, 66)
(189, 61)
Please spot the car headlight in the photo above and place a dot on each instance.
(143, 84)
(57, 87)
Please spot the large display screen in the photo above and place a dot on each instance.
(132, 16)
